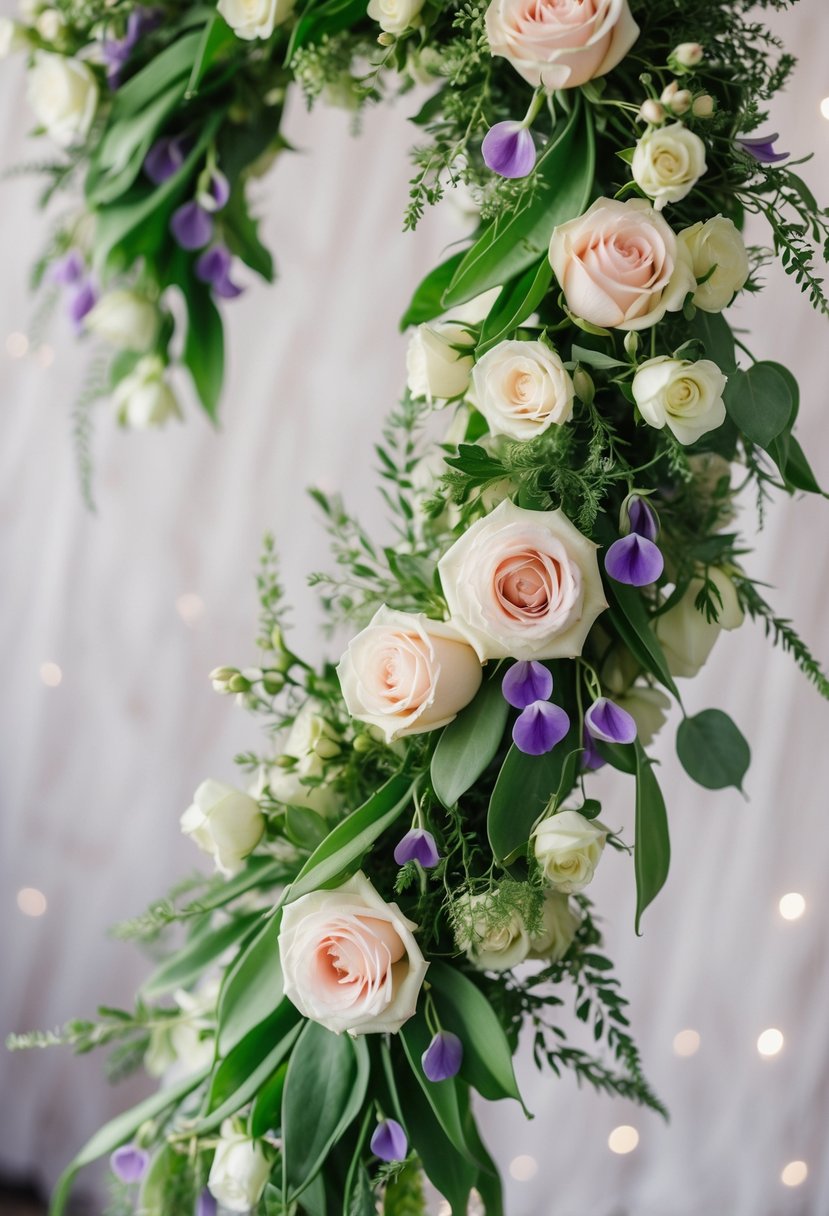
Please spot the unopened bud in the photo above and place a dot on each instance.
(688, 54)
(669, 93)
(703, 106)
(238, 683)
(385, 39)
(363, 744)
(277, 640)
(273, 682)
(584, 386)
(222, 674)
(326, 748)
(682, 102)
(285, 761)
(631, 343)
(652, 111)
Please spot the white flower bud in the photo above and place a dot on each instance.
(688, 54)
(652, 111)
(703, 106)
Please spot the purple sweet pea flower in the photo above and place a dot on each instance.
(389, 1141)
(526, 682)
(634, 560)
(418, 845)
(81, 302)
(205, 1204)
(508, 149)
(68, 270)
(443, 1057)
(214, 194)
(129, 1163)
(590, 759)
(642, 519)
(539, 728)
(609, 722)
(166, 157)
(191, 226)
(761, 147)
(117, 52)
(213, 267)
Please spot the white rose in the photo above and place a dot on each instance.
(561, 43)
(251, 19)
(716, 249)
(434, 368)
(406, 674)
(649, 708)
(686, 636)
(490, 943)
(395, 16)
(185, 1045)
(686, 397)
(12, 37)
(240, 1170)
(143, 398)
(567, 848)
(559, 925)
(224, 822)
(523, 584)
(668, 163)
(350, 960)
(63, 93)
(50, 24)
(308, 731)
(124, 319)
(522, 389)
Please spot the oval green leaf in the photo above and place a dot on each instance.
(468, 745)
(712, 750)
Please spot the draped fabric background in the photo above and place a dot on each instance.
(136, 603)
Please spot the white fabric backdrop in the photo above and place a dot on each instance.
(95, 772)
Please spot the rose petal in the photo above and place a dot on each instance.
(417, 845)
(539, 728)
(508, 149)
(389, 1141)
(634, 560)
(609, 722)
(525, 682)
(443, 1057)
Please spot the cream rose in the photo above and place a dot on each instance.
(649, 708)
(490, 943)
(308, 732)
(395, 16)
(143, 398)
(620, 265)
(240, 1170)
(523, 585)
(349, 959)
(559, 925)
(560, 43)
(717, 250)
(434, 367)
(50, 24)
(567, 847)
(668, 163)
(522, 389)
(686, 397)
(251, 19)
(224, 822)
(185, 1044)
(406, 674)
(686, 636)
(63, 93)
(124, 319)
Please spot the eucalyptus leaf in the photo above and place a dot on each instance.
(442, 1096)
(450, 1173)
(217, 36)
(173, 63)
(468, 745)
(760, 402)
(652, 847)
(631, 621)
(714, 332)
(188, 963)
(712, 750)
(204, 345)
(596, 358)
(517, 301)
(266, 1112)
(238, 1078)
(252, 986)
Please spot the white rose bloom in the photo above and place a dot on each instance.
(50, 24)
(395, 16)
(686, 397)
(567, 848)
(523, 584)
(649, 708)
(185, 1046)
(12, 37)
(125, 319)
(143, 398)
(434, 368)
(668, 163)
(406, 674)
(492, 948)
(240, 1170)
(716, 249)
(559, 924)
(63, 93)
(685, 634)
(350, 960)
(309, 729)
(251, 19)
(522, 389)
(224, 822)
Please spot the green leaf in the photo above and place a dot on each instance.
(167, 1174)
(196, 955)
(797, 471)
(464, 1010)
(631, 621)
(112, 172)
(760, 402)
(351, 839)
(620, 755)
(468, 745)
(324, 1093)
(652, 849)
(450, 1173)
(595, 358)
(558, 191)
(320, 21)
(305, 828)
(216, 37)
(241, 233)
(241, 1074)
(173, 62)
(442, 1096)
(358, 1196)
(204, 345)
(252, 986)
(714, 332)
(489, 1180)
(517, 301)
(712, 750)
(427, 301)
(118, 1131)
(266, 1113)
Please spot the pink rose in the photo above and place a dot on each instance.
(523, 585)
(406, 674)
(560, 43)
(620, 266)
(349, 959)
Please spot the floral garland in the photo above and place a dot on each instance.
(400, 889)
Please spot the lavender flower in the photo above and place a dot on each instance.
(634, 560)
(508, 149)
(213, 267)
(205, 1204)
(191, 226)
(590, 759)
(389, 1141)
(417, 845)
(68, 270)
(642, 519)
(443, 1057)
(129, 1163)
(166, 157)
(609, 722)
(761, 147)
(539, 728)
(213, 190)
(81, 302)
(117, 52)
(526, 682)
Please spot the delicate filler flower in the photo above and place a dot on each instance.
(508, 149)
(522, 389)
(302, 784)
(417, 845)
(634, 560)
(443, 1057)
(609, 723)
(129, 1163)
(213, 267)
(667, 163)
(686, 397)
(527, 681)
(81, 302)
(539, 728)
(69, 270)
(719, 258)
(688, 54)
(191, 225)
(761, 147)
(388, 1141)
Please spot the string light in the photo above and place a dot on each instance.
(824, 107)
(794, 1173)
(31, 902)
(792, 906)
(522, 1169)
(770, 1042)
(190, 607)
(17, 345)
(623, 1139)
(50, 674)
(686, 1043)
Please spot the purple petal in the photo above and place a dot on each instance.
(191, 226)
(418, 845)
(634, 560)
(165, 158)
(761, 147)
(205, 1204)
(213, 267)
(642, 519)
(443, 1057)
(129, 1163)
(80, 303)
(539, 728)
(609, 722)
(508, 149)
(526, 682)
(591, 760)
(389, 1141)
(218, 190)
(68, 270)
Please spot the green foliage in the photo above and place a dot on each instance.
(652, 850)
(468, 745)
(712, 750)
